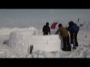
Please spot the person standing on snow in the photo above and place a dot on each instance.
(46, 29)
(65, 36)
(73, 30)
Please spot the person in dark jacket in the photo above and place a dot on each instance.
(65, 36)
(73, 30)
(46, 29)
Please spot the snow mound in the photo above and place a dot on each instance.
(7, 31)
(21, 40)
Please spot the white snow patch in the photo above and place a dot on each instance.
(20, 41)
(49, 46)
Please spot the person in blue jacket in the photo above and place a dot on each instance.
(73, 30)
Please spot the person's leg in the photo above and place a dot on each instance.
(68, 44)
(71, 38)
(76, 42)
(64, 44)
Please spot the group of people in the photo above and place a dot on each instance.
(68, 35)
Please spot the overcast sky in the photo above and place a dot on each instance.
(38, 17)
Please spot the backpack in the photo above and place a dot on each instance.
(74, 28)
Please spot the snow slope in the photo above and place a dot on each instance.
(18, 41)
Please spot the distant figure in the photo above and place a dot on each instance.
(65, 36)
(46, 29)
(73, 29)
(78, 19)
(31, 49)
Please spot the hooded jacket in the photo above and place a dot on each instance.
(46, 29)
(73, 28)
(62, 31)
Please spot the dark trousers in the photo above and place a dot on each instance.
(73, 37)
(66, 44)
(45, 33)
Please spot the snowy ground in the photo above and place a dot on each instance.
(10, 50)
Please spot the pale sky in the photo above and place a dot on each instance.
(38, 17)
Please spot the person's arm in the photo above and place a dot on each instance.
(66, 28)
(57, 31)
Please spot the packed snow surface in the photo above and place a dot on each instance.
(15, 43)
